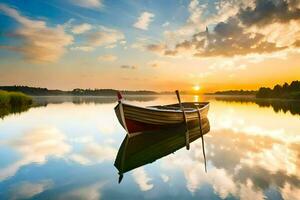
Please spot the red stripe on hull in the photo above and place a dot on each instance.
(135, 126)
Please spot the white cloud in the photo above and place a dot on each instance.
(105, 37)
(123, 42)
(220, 180)
(199, 19)
(35, 146)
(83, 48)
(26, 190)
(165, 178)
(196, 10)
(94, 153)
(40, 42)
(99, 153)
(144, 20)
(142, 179)
(247, 192)
(140, 44)
(166, 24)
(82, 28)
(88, 3)
(79, 159)
(108, 58)
(193, 24)
(244, 38)
(283, 34)
(282, 159)
(90, 192)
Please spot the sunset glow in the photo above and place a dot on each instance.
(149, 45)
(196, 88)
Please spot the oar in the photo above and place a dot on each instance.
(187, 139)
(202, 138)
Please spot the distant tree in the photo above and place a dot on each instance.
(277, 90)
(285, 86)
(264, 92)
(295, 86)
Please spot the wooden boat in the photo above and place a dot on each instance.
(152, 145)
(136, 119)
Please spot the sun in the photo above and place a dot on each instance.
(196, 88)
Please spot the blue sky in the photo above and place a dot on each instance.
(114, 14)
(144, 44)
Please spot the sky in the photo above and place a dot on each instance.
(148, 44)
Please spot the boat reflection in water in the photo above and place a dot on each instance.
(149, 146)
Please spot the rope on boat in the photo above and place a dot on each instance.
(202, 138)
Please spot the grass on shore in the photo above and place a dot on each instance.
(13, 102)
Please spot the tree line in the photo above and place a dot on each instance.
(235, 92)
(285, 91)
(37, 91)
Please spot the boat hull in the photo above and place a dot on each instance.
(137, 119)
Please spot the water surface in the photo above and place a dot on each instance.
(65, 148)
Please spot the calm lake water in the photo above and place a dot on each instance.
(65, 148)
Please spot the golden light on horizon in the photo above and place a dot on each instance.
(196, 88)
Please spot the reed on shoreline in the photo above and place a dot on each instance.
(13, 102)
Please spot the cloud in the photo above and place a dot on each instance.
(40, 43)
(128, 67)
(220, 180)
(165, 178)
(282, 159)
(82, 28)
(144, 20)
(228, 39)
(229, 64)
(89, 192)
(158, 48)
(159, 63)
(196, 10)
(34, 147)
(195, 176)
(142, 179)
(78, 158)
(26, 190)
(290, 192)
(247, 192)
(251, 27)
(165, 24)
(108, 58)
(102, 37)
(267, 11)
(105, 37)
(88, 3)
(94, 153)
(123, 42)
(141, 43)
(82, 48)
(282, 34)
